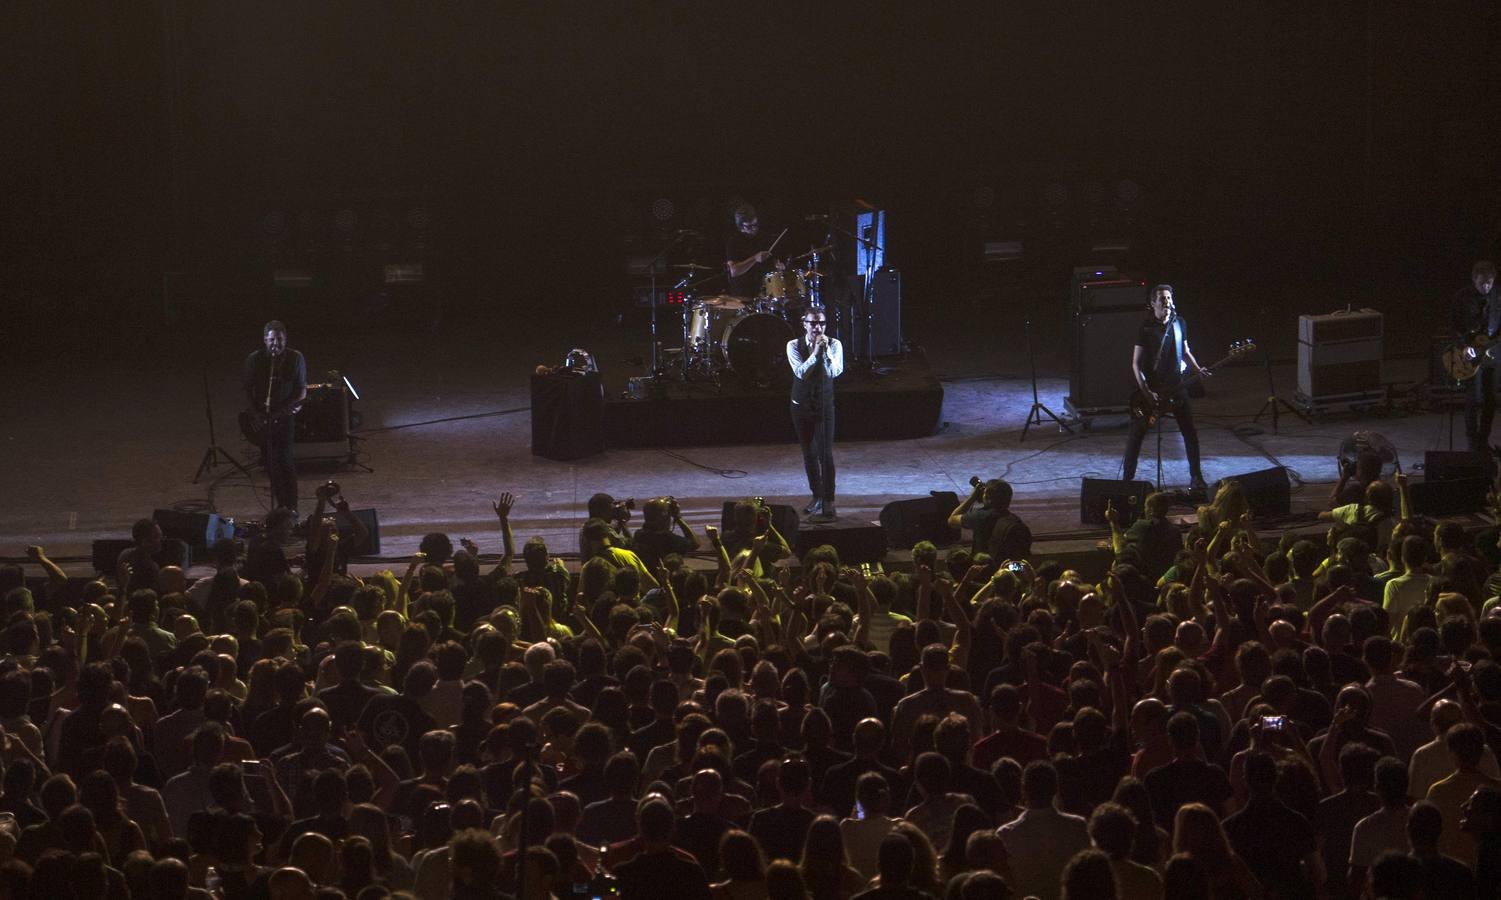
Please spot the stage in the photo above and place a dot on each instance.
(445, 432)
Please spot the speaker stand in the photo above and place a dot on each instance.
(1038, 411)
(214, 455)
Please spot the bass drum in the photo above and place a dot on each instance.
(755, 347)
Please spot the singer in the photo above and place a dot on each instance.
(1159, 361)
(816, 360)
(275, 382)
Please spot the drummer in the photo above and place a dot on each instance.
(746, 258)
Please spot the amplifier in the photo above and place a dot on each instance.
(1110, 295)
(1339, 354)
(1356, 325)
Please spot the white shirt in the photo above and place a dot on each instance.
(1039, 843)
(833, 359)
(1382, 830)
(862, 842)
(1431, 763)
(1402, 594)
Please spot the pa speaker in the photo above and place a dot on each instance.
(782, 516)
(371, 547)
(1449, 497)
(1268, 491)
(197, 530)
(920, 519)
(568, 413)
(1128, 497)
(1455, 465)
(857, 542)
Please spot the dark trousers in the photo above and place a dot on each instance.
(1183, 413)
(1480, 408)
(281, 468)
(814, 424)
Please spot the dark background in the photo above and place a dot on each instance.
(164, 158)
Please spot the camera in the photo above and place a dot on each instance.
(623, 509)
(1273, 723)
(328, 490)
(974, 481)
(1015, 567)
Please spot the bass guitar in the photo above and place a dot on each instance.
(1461, 364)
(253, 423)
(1144, 408)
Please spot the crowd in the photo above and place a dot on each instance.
(1217, 717)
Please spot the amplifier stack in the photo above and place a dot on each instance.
(1339, 361)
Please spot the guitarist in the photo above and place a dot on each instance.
(275, 380)
(1158, 365)
(1477, 320)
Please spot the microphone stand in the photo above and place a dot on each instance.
(868, 249)
(211, 455)
(1038, 411)
(652, 266)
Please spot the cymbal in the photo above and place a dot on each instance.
(693, 267)
(824, 249)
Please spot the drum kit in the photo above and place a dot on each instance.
(746, 337)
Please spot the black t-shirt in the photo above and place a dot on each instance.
(738, 247)
(1273, 838)
(265, 561)
(651, 546)
(1186, 781)
(389, 719)
(1475, 313)
(1164, 369)
(289, 369)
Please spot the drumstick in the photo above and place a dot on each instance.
(777, 241)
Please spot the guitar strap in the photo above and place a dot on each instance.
(1170, 329)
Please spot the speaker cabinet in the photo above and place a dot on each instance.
(783, 517)
(567, 416)
(920, 519)
(1128, 497)
(371, 547)
(197, 530)
(1268, 491)
(886, 318)
(324, 417)
(1455, 465)
(857, 542)
(1100, 377)
(1448, 497)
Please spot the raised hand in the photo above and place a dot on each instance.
(503, 505)
(35, 553)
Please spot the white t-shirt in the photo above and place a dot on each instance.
(1382, 830)
(1403, 594)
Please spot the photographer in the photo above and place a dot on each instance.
(656, 538)
(614, 514)
(752, 518)
(599, 540)
(329, 494)
(996, 530)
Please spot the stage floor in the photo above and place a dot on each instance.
(446, 429)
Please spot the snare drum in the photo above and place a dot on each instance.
(755, 346)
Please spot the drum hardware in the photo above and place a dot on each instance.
(692, 267)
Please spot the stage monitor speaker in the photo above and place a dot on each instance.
(1450, 497)
(324, 417)
(920, 519)
(886, 317)
(1268, 491)
(105, 553)
(567, 416)
(782, 516)
(857, 542)
(1455, 465)
(371, 547)
(1100, 377)
(1129, 498)
(198, 530)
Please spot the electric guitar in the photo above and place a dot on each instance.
(1143, 408)
(253, 423)
(1460, 365)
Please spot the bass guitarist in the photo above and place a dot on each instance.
(275, 381)
(1476, 318)
(1159, 362)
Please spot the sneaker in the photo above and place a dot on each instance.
(826, 512)
(811, 508)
